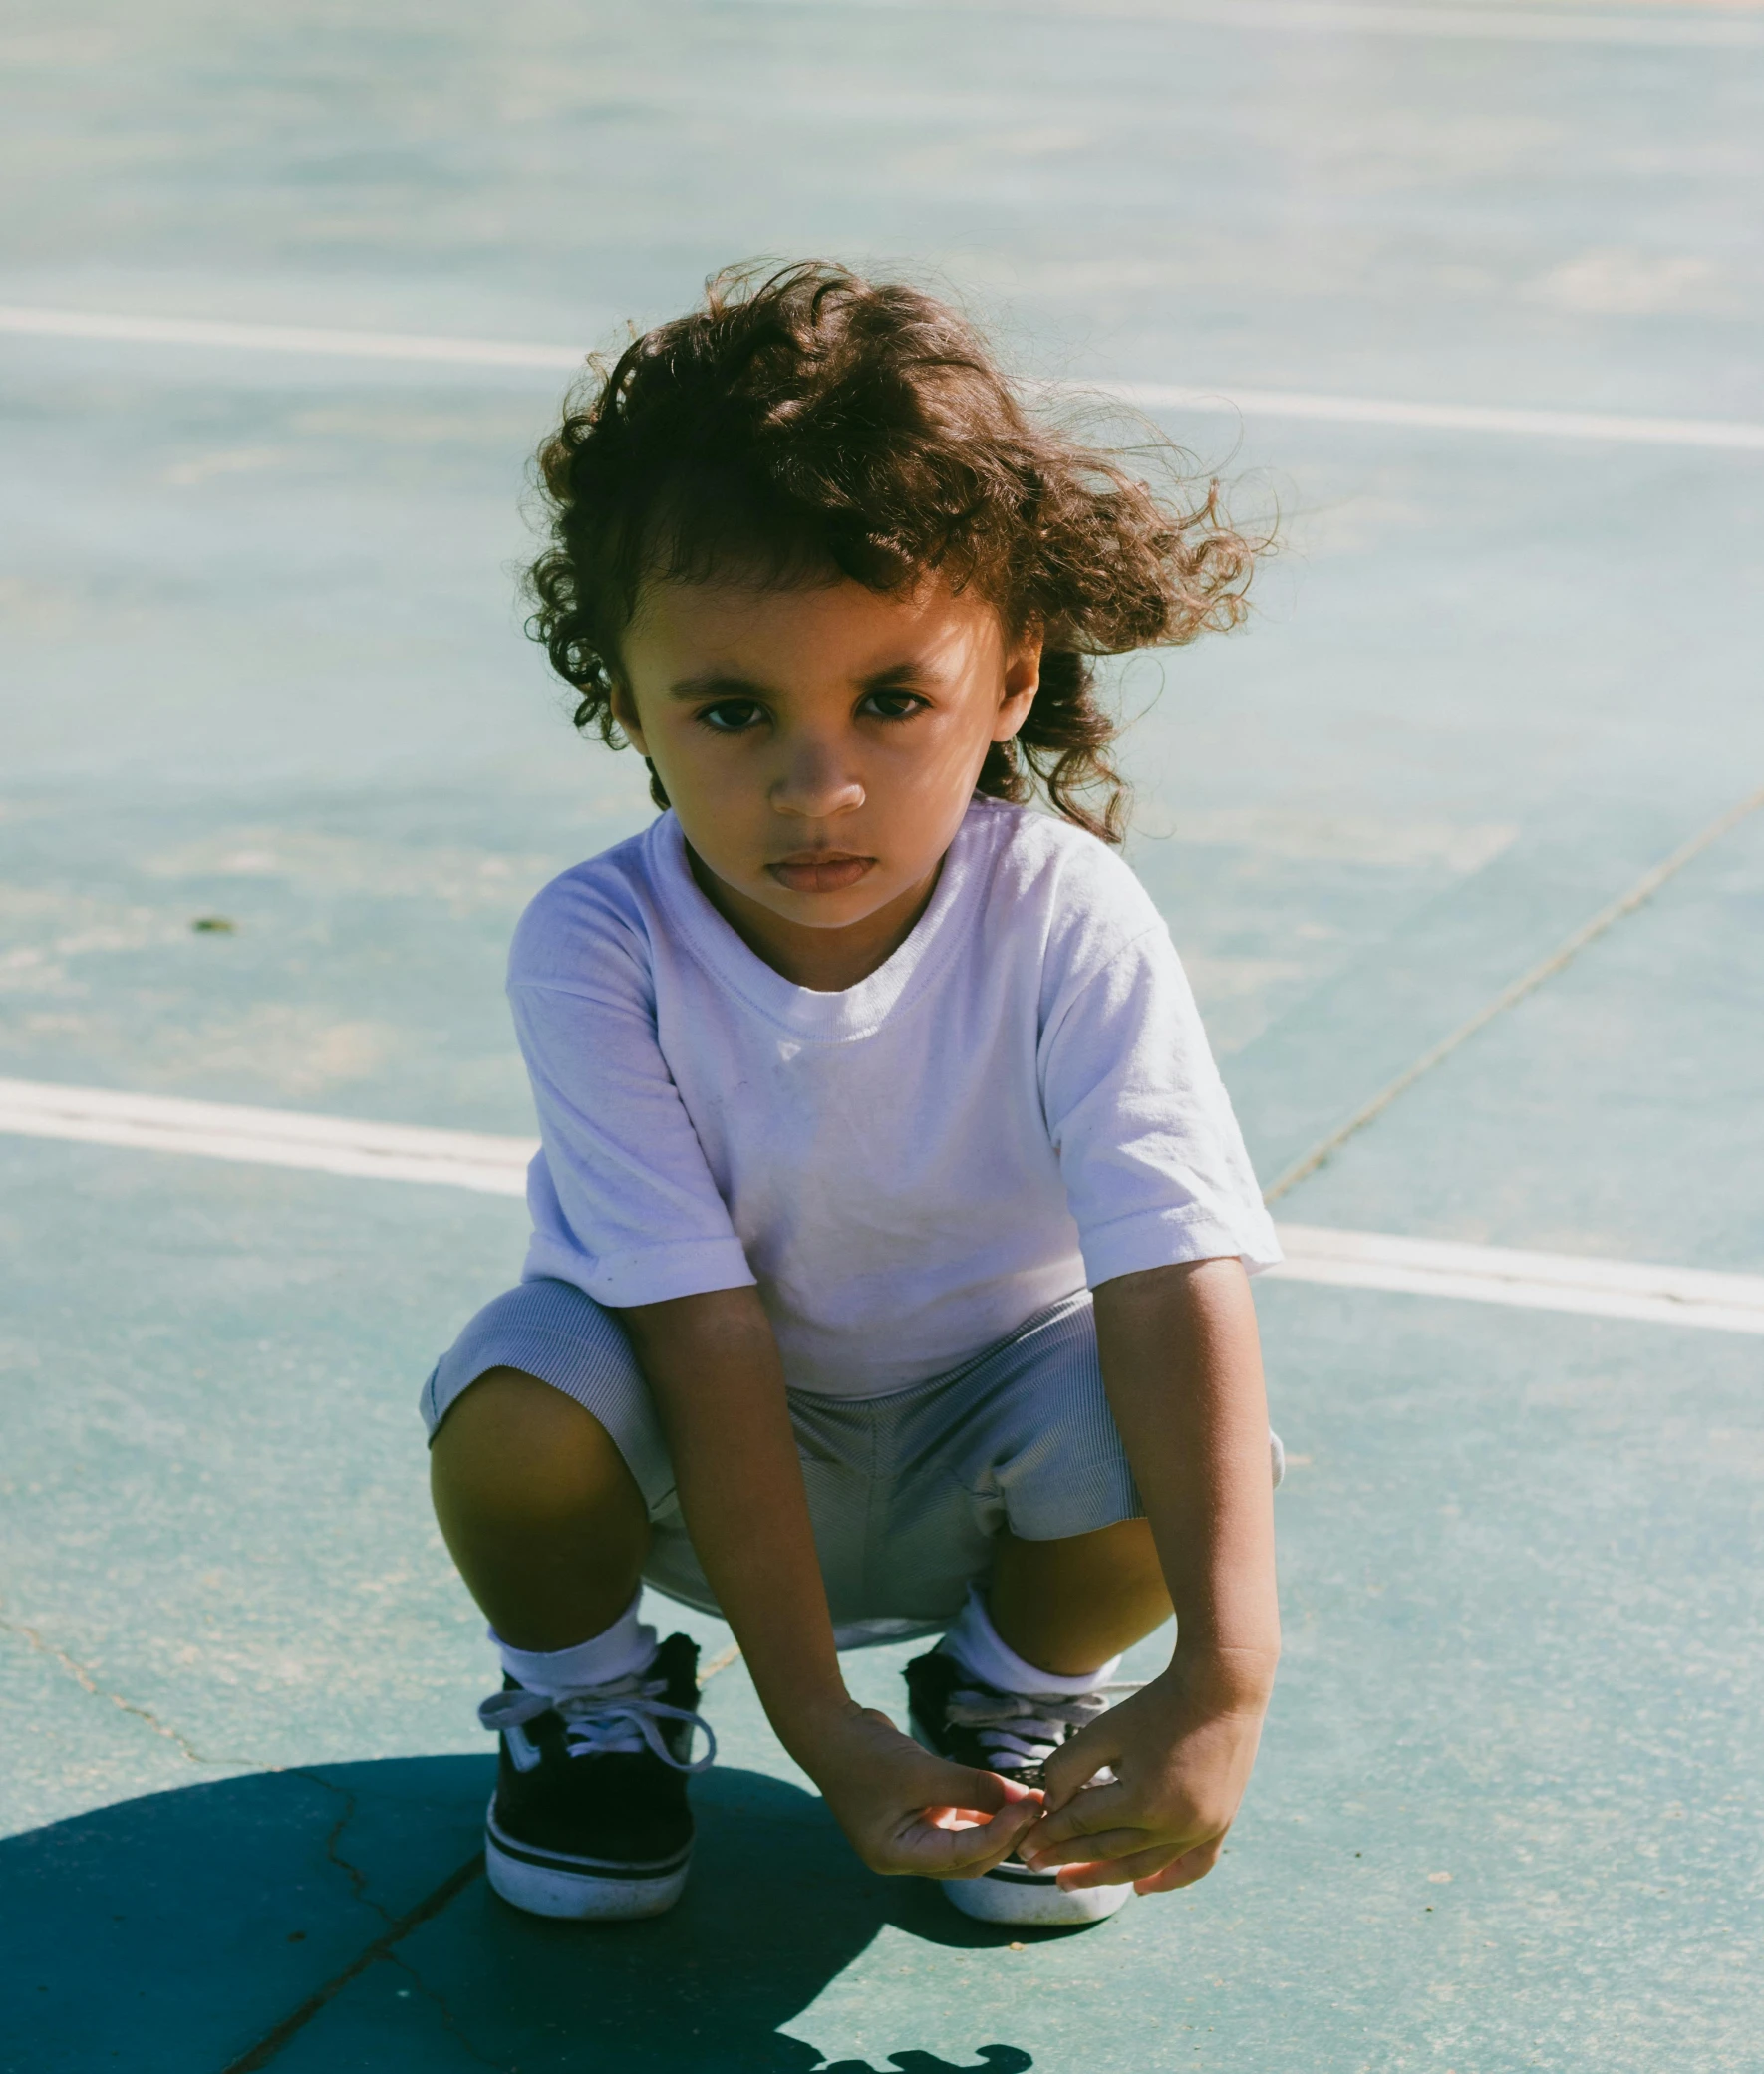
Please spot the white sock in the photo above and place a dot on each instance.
(977, 1646)
(615, 1653)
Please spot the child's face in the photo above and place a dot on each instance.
(821, 745)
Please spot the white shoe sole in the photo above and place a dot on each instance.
(1012, 1893)
(578, 1890)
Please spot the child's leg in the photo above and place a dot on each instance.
(1023, 1665)
(546, 1463)
(1069, 1607)
(538, 1510)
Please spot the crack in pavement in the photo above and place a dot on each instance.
(1516, 991)
(450, 2020)
(397, 1929)
(383, 1949)
(83, 1677)
(357, 1880)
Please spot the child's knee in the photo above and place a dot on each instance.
(513, 1441)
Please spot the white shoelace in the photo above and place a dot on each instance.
(623, 1717)
(1020, 1730)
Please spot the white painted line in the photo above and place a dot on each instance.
(1688, 29)
(1534, 1281)
(266, 1137)
(498, 1166)
(1684, 28)
(1733, 434)
(283, 338)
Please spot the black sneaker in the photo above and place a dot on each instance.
(1011, 1734)
(590, 1817)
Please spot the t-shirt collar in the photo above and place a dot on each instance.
(854, 1010)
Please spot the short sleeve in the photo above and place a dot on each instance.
(1152, 1160)
(623, 1203)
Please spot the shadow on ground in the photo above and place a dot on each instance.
(334, 1917)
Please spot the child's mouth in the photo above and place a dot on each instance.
(823, 871)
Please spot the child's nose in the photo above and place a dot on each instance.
(817, 781)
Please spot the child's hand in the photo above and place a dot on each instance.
(904, 1810)
(1181, 1752)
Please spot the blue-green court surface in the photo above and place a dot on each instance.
(264, 672)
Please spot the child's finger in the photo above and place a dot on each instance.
(1073, 1764)
(1080, 1850)
(1086, 1812)
(981, 1818)
(1115, 1872)
(1182, 1872)
(954, 1786)
(944, 1853)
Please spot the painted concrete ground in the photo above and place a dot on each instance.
(262, 664)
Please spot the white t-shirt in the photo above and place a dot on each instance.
(1021, 1102)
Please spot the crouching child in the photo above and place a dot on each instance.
(891, 1224)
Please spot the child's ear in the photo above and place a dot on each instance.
(624, 710)
(1023, 679)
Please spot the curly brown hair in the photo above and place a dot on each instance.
(807, 425)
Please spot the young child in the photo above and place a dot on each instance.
(890, 1228)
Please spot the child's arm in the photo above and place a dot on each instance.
(1183, 1371)
(711, 1363)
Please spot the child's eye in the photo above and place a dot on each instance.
(732, 716)
(891, 706)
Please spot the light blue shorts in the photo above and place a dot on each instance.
(907, 1492)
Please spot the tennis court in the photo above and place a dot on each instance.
(1461, 841)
